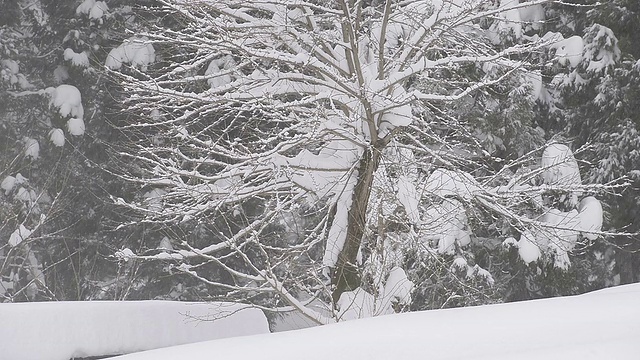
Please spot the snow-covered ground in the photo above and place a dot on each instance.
(62, 330)
(600, 325)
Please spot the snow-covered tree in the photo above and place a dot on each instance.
(53, 134)
(593, 102)
(320, 143)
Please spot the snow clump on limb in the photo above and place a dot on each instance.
(507, 22)
(590, 212)
(217, 69)
(60, 74)
(68, 101)
(77, 59)
(75, 126)
(556, 231)
(135, 51)
(18, 236)
(7, 184)
(125, 254)
(559, 167)
(358, 304)
(57, 137)
(445, 182)
(154, 198)
(10, 182)
(569, 50)
(31, 148)
(561, 236)
(10, 66)
(397, 288)
(559, 232)
(447, 224)
(515, 20)
(572, 51)
(528, 248)
(10, 72)
(94, 9)
(320, 173)
(409, 198)
(460, 265)
(600, 57)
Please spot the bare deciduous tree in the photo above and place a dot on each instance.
(259, 112)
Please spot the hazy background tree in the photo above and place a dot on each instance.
(55, 131)
(593, 105)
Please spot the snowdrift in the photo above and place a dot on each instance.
(600, 325)
(62, 330)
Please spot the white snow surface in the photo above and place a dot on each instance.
(62, 330)
(561, 168)
(67, 99)
(77, 59)
(569, 51)
(358, 304)
(590, 216)
(135, 51)
(559, 232)
(600, 325)
(31, 148)
(528, 248)
(214, 70)
(445, 182)
(409, 198)
(57, 137)
(447, 223)
(75, 126)
(95, 9)
(7, 184)
(18, 236)
(398, 287)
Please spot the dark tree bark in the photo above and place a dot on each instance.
(346, 275)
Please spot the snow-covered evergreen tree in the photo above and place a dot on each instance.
(54, 133)
(596, 102)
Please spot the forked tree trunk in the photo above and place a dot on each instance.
(346, 275)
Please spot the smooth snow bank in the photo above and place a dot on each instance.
(62, 330)
(600, 325)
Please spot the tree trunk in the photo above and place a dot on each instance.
(346, 275)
